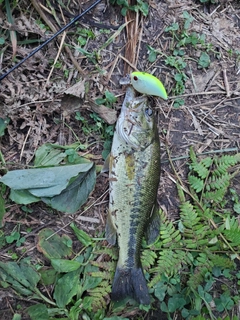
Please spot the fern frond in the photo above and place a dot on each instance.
(196, 183)
(97, 297)
(169, 236)
(148, 258)
(202, 168)
(188, 215)
(106, 265)
(169, 263)
(221, 182)
(215, 196)
(112, 252)
(232, 231)
(233, 237)
(225, 162)
(221, 260)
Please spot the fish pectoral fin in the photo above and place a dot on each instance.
(153, 227)
(110, 230)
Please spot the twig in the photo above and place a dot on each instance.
(226, 83)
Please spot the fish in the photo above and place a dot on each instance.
(134, 174)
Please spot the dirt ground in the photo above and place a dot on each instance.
(35, 98)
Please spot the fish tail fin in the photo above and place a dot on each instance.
(130, 283)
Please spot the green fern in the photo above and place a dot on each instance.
(148, 258)
(202, 168)
(196, 183)
(169, 263)
(97, 296)
(224, 163)
(232, 231)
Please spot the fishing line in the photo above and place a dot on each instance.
(50, 39)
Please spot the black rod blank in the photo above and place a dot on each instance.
(50, 39)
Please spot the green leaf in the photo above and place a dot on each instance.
(48, 155)
(66, 288)
(22, 278)
(110, 97)
(204, 60)
(160, 291)
(48, 276)
(22, 197)
(62, 265)
(236, 208)
(90, 282)
(143, 7)
(38, 312)
(176, 302)
(172, 27)
(76, 194)
(52, 245)
(100, 101)
(44, 182)
(82, 236)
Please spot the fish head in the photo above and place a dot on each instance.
(136, 124)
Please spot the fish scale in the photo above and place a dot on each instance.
(134, 175)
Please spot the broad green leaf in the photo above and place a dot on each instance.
(90, 282)
(160, 291)
(38, 312)
(48, 275)
(15, 275)
(48, 155)
(22, 197)
(62, 265)
(75, 195)
(44, 182)
(30, 274)
(82, 236)
(52, 245)
(66, 288)
(13, 270)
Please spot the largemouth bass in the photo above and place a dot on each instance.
(134, 173)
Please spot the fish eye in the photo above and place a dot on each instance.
(148, 112)
(135, 78)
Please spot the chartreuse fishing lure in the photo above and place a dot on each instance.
(146, 83)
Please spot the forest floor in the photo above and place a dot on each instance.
(193, 47)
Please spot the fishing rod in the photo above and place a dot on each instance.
(50, 39)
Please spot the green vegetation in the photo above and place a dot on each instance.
(191, 268)
(182, 41)
(141, 6)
